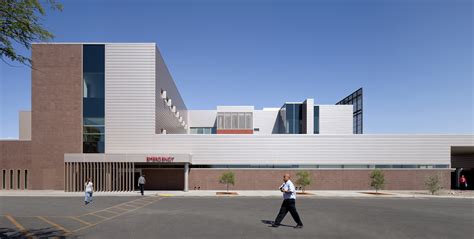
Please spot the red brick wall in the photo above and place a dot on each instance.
(15, 155)
(56, 103)
(234, 131)
(257, 179)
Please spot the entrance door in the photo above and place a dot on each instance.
(164, 179)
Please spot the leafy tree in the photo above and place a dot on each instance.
(433, 184)
(303, 179)
(227, 178)
(20, 23)
(377, 180)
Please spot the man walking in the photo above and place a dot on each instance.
(289, 198)
(141, 183)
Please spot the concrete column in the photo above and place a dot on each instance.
(186, 172)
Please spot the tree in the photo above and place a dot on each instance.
(227, 178)
(20, 23)
(377, 180)
(433, 184)
(303, 179)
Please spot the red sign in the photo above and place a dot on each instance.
(159, 159)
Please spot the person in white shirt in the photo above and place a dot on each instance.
(289, 197)
(89, 188)
(141, 183)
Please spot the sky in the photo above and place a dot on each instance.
(414, 58)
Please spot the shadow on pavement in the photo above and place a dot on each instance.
(268, 222)
(33, 233)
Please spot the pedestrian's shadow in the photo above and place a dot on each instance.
(268, 222)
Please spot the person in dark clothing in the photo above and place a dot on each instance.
(141, 184)
(289, 199)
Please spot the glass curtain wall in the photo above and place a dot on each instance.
(93, 98)
(294, 118)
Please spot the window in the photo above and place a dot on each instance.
(227, 121)
(202, 130)
(4, 179)
(18, 174)
(294, 118)
(93, 68)
(220, 121)
(26, 179)
(235, 119)
(316, 120)
(242, 121)
(11, 179)
(248, 121)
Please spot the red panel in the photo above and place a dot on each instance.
(235, 131)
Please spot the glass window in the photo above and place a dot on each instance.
(4, 179)
(93, 137)
(227, 121)
(316, 120)
(93, 67)
(93, 121)
(11, 179)
(220, 121)
(94, 129)
(242, 121)
(26, 179)
(248, 121)
(235, 121)
(18, 174)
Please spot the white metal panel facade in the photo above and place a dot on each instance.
(130, 111)
(335, 119)
(202, 118)
(266, 121)
(129, 94)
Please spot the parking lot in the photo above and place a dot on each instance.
(234, 217)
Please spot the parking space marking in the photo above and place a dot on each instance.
(112, 217)
(59, 221)
(54, 224)
(137, 203)
(95, 215)
(16, 223)
(80, 220)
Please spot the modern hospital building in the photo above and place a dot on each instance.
(111, 111)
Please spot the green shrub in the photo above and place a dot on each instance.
(227, 178)
(433, 184)
(304, 179)
(377, 178)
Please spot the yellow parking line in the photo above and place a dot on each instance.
(122, 209)
(110, 218)
(137, 203)
(54, 224)
(80, 220)
(95, 215)
(130, 206)
(111, 207)
(107, 210)
(16, 223)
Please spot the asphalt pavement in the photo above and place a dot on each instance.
(235, 217)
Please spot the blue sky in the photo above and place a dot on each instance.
(413, 58)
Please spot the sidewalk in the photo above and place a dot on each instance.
(249, 193)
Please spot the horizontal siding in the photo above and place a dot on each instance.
(335, 119)
(301, 149)
(129, 92)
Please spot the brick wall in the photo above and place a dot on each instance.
(257, 179)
